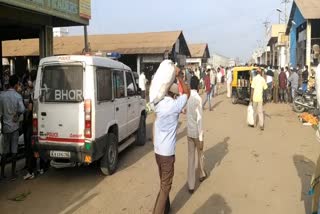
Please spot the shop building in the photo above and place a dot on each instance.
(199, 55)
(278, 43)
(304, 32)
(26, 19)
(140, 51)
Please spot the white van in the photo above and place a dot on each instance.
(87, 109)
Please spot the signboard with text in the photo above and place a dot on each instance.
(66, 9)
(85, 9)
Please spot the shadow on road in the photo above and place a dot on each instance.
(213, 158)
(57, 191)
(217, 104)
(216, 204)
(134, 153)
(305, 168)
(215, 155)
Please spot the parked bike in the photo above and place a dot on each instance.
(305, 101)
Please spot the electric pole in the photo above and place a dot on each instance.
(266, 25)
(285, 2)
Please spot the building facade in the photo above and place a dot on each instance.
(304, 32)
(199, 55)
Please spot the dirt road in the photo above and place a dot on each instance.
(250, 172)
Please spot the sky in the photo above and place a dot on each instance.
(233, 28)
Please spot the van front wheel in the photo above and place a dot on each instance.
(108, 163)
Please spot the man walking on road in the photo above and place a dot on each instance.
(213, 80)
(219, 81)
(258, 86)
(11, 108)
(195, 135)
(165, 131)
(207, 84)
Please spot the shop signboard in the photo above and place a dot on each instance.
(85, 9)
(65, 9)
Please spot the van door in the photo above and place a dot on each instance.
(133, 104)
(61, 108)
(104, 104)
(120, 103)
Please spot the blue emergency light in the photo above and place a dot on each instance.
(113, 55)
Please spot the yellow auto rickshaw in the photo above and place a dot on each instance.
(241, 84)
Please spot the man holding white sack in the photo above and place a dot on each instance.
(257, 87)
(165, 130)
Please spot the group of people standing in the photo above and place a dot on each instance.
(284, 82)
(210, 81)
(16, 110)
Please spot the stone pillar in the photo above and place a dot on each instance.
(282, 57)
(86, 44)
(274, 54)
(12, 70)
(138, 65)
(46, 41)
(308, 49)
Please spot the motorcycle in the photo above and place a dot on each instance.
(305, 101)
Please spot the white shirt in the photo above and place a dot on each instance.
(229, 76)
(219, 77)
(166, 124)
(194, 115)
(142, 82)
(197, 73)
(213, 77)
(269, 79)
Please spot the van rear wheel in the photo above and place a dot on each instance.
(108, 163)
(141, 132)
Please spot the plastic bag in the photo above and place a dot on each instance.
(162, 80)
(250, 116)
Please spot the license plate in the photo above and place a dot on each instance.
(59, 154)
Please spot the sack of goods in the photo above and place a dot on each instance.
(162, 80)
(250, 117)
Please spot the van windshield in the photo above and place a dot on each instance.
(62, 83)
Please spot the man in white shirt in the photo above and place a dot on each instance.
(165, 131)
(142, 84)
(257, 87)
(219, 81)
(195, 135)
(229, 81)
(213, 81)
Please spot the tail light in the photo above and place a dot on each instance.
(35, 125)
(87, 119)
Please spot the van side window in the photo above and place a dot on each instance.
(118, 84)
(104, 84)
(131, 88)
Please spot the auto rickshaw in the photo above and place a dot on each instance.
(241, 84)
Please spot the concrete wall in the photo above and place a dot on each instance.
(216, 60)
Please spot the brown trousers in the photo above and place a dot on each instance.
(166, 172)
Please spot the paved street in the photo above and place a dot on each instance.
(250, 172)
